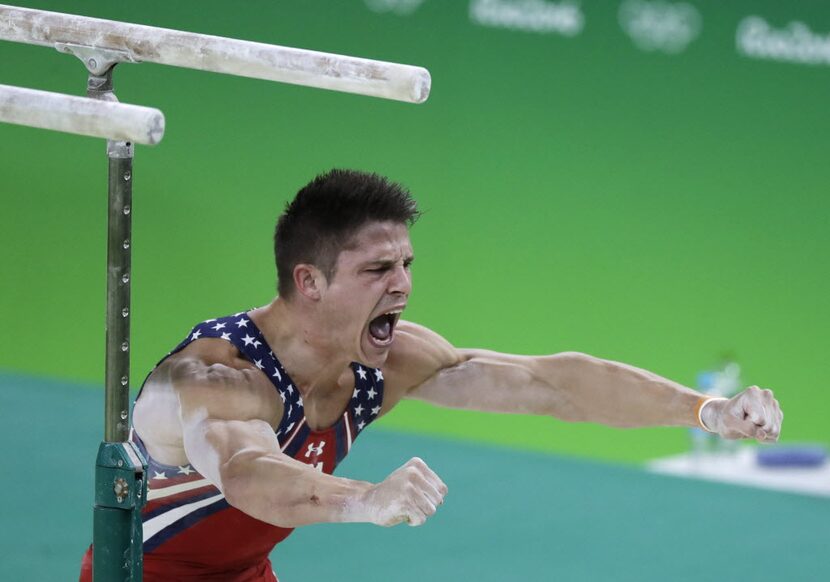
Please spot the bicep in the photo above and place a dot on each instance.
(225, 413)
(495, 382)
(213, 445)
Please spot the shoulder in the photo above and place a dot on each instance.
(417, 354)
(209, 377)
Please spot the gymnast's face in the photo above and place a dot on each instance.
(368, 291)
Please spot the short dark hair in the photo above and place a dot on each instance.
(327, 212)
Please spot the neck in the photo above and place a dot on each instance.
(302, 345)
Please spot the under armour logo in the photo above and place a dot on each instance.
(312, 450)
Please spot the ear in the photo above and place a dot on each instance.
(309, 281)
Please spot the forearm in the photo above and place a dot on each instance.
(285, 492)
(243, 459)
(594, 390)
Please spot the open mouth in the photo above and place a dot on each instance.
(382, 328)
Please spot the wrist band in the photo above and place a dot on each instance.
(701, 402)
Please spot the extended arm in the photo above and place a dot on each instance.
(580, 388)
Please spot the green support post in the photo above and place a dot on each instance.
(120, 492)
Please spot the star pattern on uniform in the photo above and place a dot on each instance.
(371, 393)
(226, 336)
(242, 323)
(258, 364)
(300, 401)
(378, 375)
(360, 425)
(219, 326)
(186, 470)
(376, 410)
(361, 372)
(248, 340)
(196, 335)
(358, 410)
(159, 475)
(356, 392)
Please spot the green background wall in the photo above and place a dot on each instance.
(581, 194)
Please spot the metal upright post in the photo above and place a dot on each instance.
(120, 483)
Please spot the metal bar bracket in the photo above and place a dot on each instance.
(97, 60)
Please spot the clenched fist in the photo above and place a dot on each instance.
(411, 494)
(753, 413)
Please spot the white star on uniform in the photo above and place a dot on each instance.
(356, 392)
(248, 340)
(186, 470)
(226, 336)
(277, 374)
(290, 410)
(219, 326)
(358, 409)
(259, 364)
(196, 334)
(242, 323)
(282, 395)
(290, 389)
(257, 343)
(289, 427)
(360, 425)
(209, 320)
(376, 409)
(361, 372)
(300, 401)
(378, 375)
(159, 475)
(371, 393)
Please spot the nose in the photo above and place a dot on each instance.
(401, 281)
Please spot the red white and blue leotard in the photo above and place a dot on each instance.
(190, 531)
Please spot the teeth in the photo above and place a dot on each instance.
(397, 311)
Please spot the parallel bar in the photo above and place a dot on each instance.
(218, 54)
(80, 115)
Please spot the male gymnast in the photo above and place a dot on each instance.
(245, 421)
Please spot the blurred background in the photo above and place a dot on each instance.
(642, 180)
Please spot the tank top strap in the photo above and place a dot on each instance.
(367, 398)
